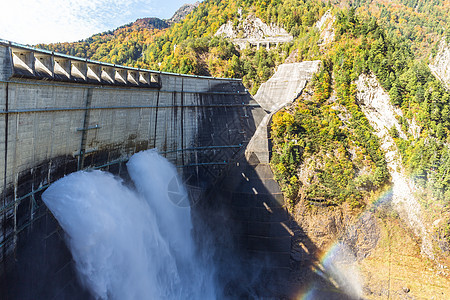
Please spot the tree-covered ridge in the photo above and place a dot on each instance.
(190, 46)
(327, 135)
(310, 136)
(419, 21)
(122, 46)
(423, 101)
(420, 96)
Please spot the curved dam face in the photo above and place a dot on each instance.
(60, 114)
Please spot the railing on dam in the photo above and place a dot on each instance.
(34, 63)
(29, 62)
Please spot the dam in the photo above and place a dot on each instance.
(60, 114)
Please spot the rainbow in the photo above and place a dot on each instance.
(326, 258)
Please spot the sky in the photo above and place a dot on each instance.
(46, 21)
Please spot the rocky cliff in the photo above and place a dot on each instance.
(382, 250)
(441, 63)
(182, 12)
(376, 105)
(325, 27)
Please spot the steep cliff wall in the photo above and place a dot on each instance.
(375, 103)
(325, 27)
(382, 250)
(441, 63)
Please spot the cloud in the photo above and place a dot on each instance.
(45, 21)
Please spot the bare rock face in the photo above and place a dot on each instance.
(372, 97)
(441, 64)
(251, 28)
(178, 16)
(325, 26)
(375, 104)
(254, 31)
(182, 12)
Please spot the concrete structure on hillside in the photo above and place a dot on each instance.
(254, 32)
(280, 90)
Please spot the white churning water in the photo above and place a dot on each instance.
(131, 243)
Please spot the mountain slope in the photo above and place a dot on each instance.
(368, 38)
(123, 45)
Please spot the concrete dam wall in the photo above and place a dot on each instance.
(60, 114)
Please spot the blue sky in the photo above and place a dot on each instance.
(46, 21)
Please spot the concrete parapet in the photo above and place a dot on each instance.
(61, 69)
(5, 63)
(20, 61)
(28, 62)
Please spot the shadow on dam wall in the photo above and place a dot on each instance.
(247, 267)
(249, 235)
(34, 260)
(251, 260)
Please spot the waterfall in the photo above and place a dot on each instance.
(131, 242)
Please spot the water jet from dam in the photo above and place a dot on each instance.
(131, 242)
